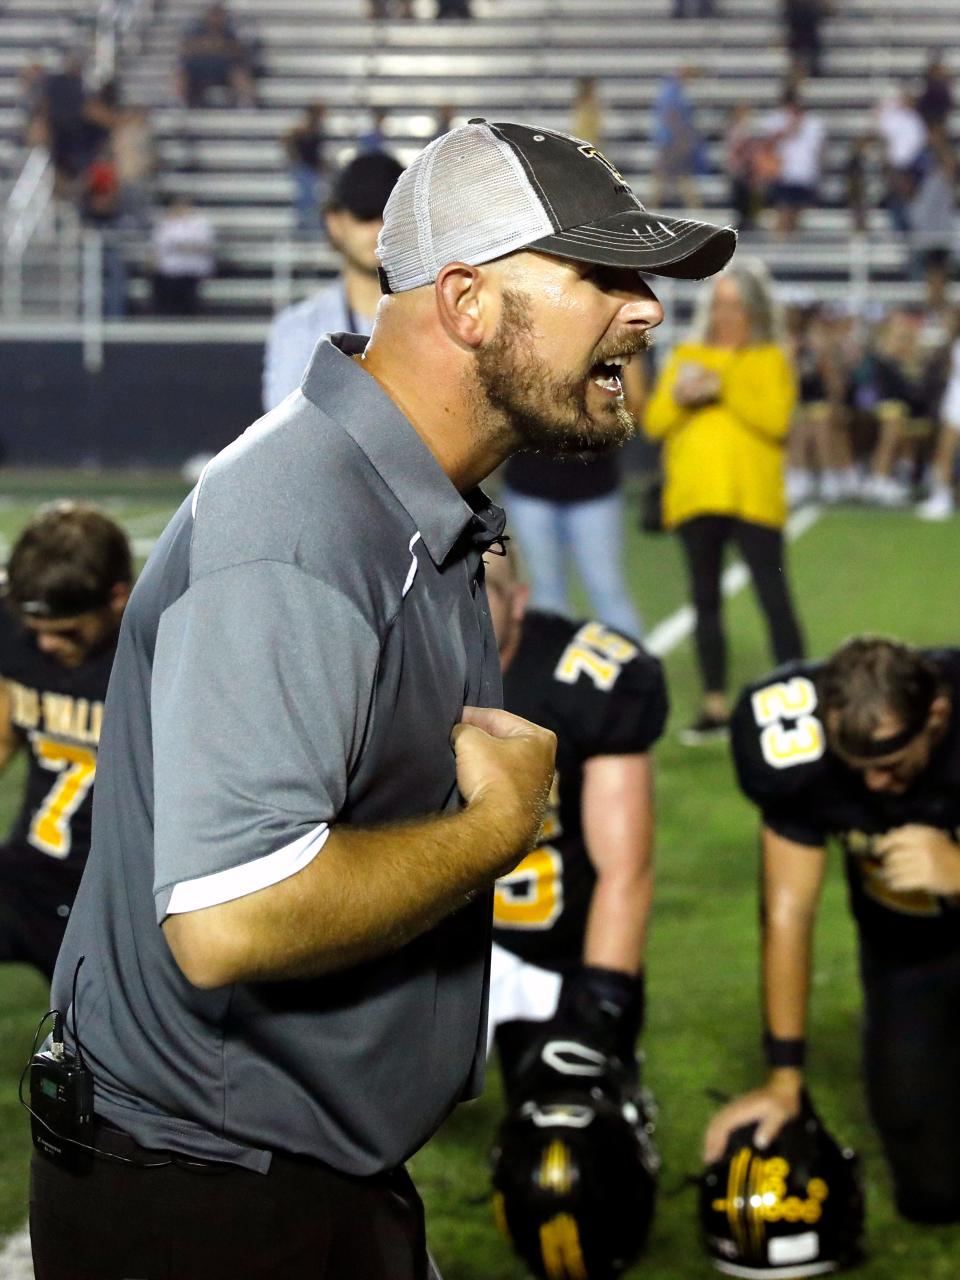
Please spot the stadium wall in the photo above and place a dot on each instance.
(150, 403)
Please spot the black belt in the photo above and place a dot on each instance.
(111, 1141)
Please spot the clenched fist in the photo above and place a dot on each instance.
(505, 765)
(920, 857)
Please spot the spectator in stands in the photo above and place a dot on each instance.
(183, 257)
(940, 503)
(100, 205)
(904, 137)
(932, 214)
(374, 139)
(134, 155)
(586, 119)
(740, 165)
(819, 456)
(680, 153)
(722, 407)
(63, 108)
(801, 20)
(894, 374)
(100, 114)
(304, 145)
(935, 99)
(101, 197)
(453, 9)
(797, 136)
(214, 62)
(354, 216)
(694, 8)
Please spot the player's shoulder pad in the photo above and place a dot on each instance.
(776, 735)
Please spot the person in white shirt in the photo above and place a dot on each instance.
(353, 216)
(183, 256)
(797, 137)
(903, 134)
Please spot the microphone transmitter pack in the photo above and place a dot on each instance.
(61, 1107)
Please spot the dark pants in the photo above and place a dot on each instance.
(704, 539)
(912, 1067)
(176, 295)
(221, 1222)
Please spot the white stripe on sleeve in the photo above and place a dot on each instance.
(237, 882)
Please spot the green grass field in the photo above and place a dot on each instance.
(853, 571)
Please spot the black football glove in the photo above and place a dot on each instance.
(590, 1041)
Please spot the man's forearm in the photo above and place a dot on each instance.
(792, 876)
(617, 816)
(617, 923)
(366, 893)
(787, 950)
(786, 987)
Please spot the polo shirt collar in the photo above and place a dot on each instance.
(356, 401)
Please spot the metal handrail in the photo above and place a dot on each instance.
(24, 209)
(27, 206)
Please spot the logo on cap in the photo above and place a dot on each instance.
(590, 152)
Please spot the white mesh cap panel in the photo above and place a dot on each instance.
(466, 198)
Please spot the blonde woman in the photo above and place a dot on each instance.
(722, 407)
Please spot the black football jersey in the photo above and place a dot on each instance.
(57, 712)
(807, 794)
(601, 694)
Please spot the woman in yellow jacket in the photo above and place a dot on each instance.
(722, 407)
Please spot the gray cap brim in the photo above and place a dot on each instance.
(680, 248)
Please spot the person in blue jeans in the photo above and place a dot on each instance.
(571, 512)
(305, 152)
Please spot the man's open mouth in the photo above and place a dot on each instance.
(607, 374)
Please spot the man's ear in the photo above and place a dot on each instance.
(939, 711)
(464, 303)
(119, 595)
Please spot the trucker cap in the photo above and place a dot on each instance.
(486, 190)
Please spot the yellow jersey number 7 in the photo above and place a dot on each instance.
(75, 768)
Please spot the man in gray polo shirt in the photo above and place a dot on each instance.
(285, 920)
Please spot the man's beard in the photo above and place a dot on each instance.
(546, 414)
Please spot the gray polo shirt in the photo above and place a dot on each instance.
(294, 656)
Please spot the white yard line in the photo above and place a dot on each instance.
(673, 630)
(15, 1260)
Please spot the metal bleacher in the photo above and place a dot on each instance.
(517, 59)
